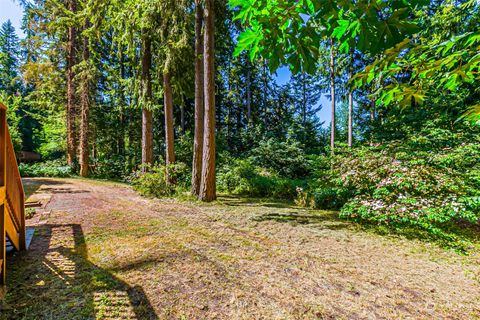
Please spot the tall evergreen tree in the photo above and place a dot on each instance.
(199, 101)
(9, 59)
(208, 183)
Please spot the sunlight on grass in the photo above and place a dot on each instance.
(113, 305)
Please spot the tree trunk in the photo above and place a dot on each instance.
(147, 116)
(85, 102)
(265, 89)
(372, 110)
(304, 101)
(350, 104)
(208, 183)
(182, 117)
(199, 102)
(169, 133)
(249, 95)
(332, 92)
(121, 118)
(71, 112)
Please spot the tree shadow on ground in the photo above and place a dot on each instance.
(318, 219)
(55, 280)
(32, 185)
(239, 201)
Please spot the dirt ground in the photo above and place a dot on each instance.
(102, 252)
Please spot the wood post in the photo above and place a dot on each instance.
(3, 182)
(3, 248)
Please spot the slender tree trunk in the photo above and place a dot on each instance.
(131, 136)
(208, 183)
(71, 112)
(147, 114)
(121, 118)
(169, 132)
(332, 92)
(199, 102)
(85, 102)
(304, 102)
(350, 104)
(249, 95)
(182, 117)
(229, 106)
(372, 110)
(265, 89)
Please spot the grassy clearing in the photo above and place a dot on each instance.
(110, 254)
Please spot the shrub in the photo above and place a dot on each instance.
(242, 177)
(153, 182)
(287, 159)
(428, 182)
(53, 168)
(110, 168)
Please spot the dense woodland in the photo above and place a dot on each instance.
(177, 96)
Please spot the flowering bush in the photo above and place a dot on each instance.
(426, 183)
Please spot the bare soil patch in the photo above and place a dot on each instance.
(102, 252)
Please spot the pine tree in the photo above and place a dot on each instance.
(85, 105)
(199, 101)
(147, 114)
(9, 59)
(71, 108)
(208, 183)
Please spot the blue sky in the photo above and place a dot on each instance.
(10, 9)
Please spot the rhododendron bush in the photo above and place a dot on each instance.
(421, 183)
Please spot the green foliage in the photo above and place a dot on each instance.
(290, 34)
(151, 181)
(13, 103)
(428, 181)
(244, 178)
(55, 168)
(286, 159)
(110, 168)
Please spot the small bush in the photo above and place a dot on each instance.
(244, 178)
(45, 169)
(110, 168)
(152, 182)
(286, 159)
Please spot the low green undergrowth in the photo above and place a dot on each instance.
(53, 168)
(151, 181)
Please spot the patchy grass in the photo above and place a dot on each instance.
(104, 252)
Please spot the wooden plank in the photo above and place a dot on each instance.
(9, 211)
(12, 231)
(3, 247)
(3, 194)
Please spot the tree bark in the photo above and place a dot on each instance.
(71, 112)
(372, 110)
(147, 115)
(332, 93)
(169, 132)
(249, 95)
(182, 117)
(350, 104)
(122, 102)
(85, 103)
(304, 101)
(199, 102)
(208, 183)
